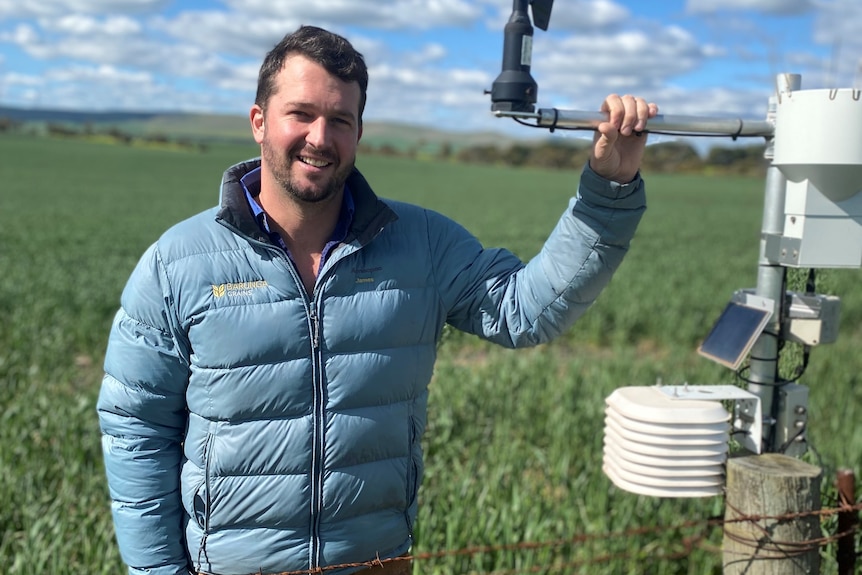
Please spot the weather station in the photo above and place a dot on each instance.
(672, 441)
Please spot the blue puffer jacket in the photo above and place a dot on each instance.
(250, 427)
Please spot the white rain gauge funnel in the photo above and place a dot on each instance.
(672, 441)
(818, 148)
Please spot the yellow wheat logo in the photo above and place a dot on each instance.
(238, 289)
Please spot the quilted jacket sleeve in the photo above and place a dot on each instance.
(492, 294)
(142, 414)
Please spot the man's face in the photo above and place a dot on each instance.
(309, 131)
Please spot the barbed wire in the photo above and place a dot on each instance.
(782, 549)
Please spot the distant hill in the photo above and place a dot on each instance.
(70, 116)
(172, 125)
(211, 127)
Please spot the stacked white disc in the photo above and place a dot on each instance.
(664, 447)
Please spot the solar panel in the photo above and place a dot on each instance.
(733, 334)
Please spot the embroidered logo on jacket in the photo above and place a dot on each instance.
(239, 289)
(365, 275)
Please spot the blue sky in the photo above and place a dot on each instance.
(429, 60)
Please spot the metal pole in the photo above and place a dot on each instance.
(771, 282)
(685, 125)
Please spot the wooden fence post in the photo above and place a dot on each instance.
(773, 488)
(848, 521)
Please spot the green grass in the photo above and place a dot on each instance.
(514, 438)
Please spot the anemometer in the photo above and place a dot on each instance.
(665, 441)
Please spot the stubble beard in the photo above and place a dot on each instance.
(280, 166)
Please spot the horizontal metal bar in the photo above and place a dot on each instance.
(687, 125)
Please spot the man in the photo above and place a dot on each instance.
(266, 376)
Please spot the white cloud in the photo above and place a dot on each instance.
(16, 9)
(241, 80)
(775, 7)
(112, 88)
(837, 26)
(572, 15)
(108, 88)
(430, 95)
(218, 31)
(98, 74)
(591, 15)
(23, 35)
(394, 14)
(116, 42)
(627, 61)
(430, 53)
(16, 79)
(718, 101)
(83, 25)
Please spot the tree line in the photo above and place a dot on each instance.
(667, 157)
(102, 133)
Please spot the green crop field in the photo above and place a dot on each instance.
(514, 441)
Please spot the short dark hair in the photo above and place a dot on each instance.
(333, 52)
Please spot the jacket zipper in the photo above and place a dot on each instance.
(319, 424)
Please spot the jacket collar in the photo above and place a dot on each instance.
(370, 217)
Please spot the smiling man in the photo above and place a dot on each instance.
(266, 378)
(308, 124)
